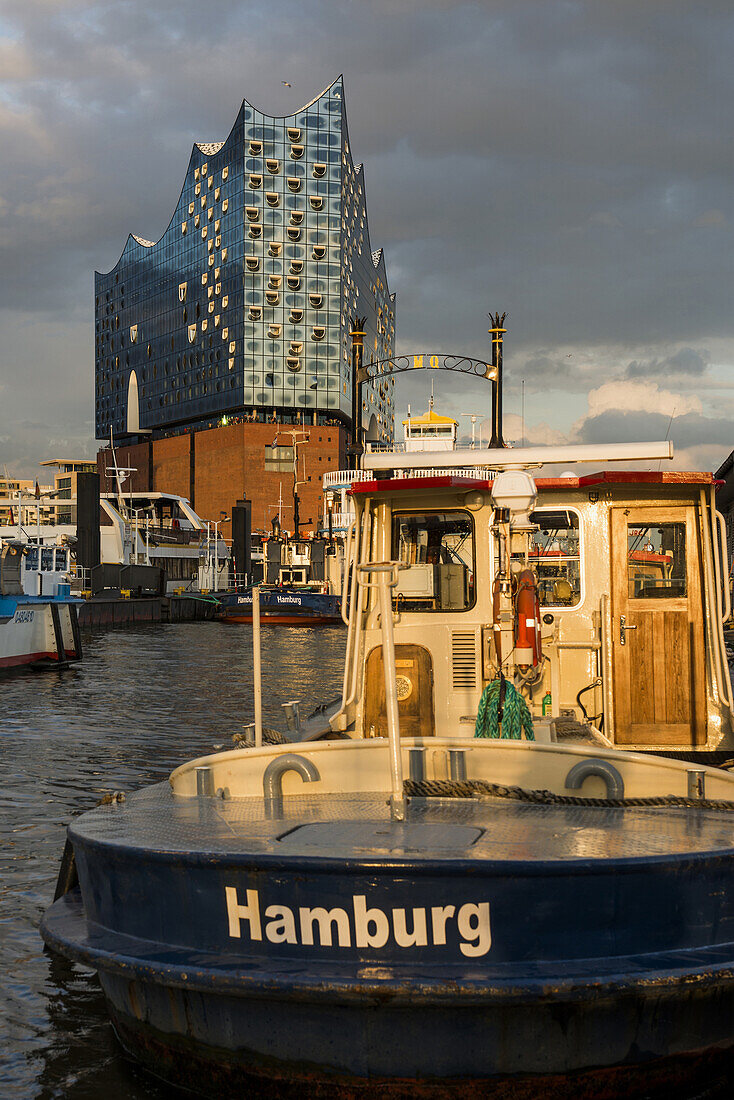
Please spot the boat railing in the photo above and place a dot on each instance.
(337, 478)
(179, 536)
(342, 479)
(81, 579)
(340, 520)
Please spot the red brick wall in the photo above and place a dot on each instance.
(230, 465)
(171, 465)
(220, 479)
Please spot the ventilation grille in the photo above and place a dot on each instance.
(463, 661)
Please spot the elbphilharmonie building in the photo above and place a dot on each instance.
(244, 306)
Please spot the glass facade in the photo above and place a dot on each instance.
(244, 306)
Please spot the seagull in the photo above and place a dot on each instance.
(286, 83)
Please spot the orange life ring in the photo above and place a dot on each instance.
(528, 645)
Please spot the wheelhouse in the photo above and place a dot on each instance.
(626, 644)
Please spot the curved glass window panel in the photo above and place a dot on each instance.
(555, 555)
(656, 561)
(437, 552)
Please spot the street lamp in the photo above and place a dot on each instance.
(497, 332)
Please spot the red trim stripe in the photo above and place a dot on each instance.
(30, 658)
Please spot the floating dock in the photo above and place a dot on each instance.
(111, 611)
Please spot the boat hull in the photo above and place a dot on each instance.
(27, 635)
(470, 1053)
(601, 977)
(195, 1028)
(283, 606)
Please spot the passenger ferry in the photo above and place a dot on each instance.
(159, 529)
(431, 892)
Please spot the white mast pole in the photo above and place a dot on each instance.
(256, 667)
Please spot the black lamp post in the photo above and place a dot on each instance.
(497, 333)
(356, 449)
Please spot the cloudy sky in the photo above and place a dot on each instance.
(568, 162)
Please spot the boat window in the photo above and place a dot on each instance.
(437, 552)
(555, 556)
(656, 560)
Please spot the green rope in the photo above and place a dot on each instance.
(515, 718)
(201, 599)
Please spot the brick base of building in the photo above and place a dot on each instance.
(219, 466)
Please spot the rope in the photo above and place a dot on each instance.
(481, 788)
(201, 599)
(270, 737)
(503, 712)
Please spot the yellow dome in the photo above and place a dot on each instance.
(429, 418)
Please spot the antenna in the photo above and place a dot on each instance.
(120, 474)
(474, 418)
(523, 413)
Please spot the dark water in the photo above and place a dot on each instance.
(141, 702)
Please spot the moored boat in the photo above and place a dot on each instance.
(436, 896)
(35, 629)
(301, 586)
(287, 606)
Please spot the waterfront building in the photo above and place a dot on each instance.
(244, 305)
(20, 493)
(241, 313)
(65, 484)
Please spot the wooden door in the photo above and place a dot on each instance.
(414, 675)
(657, 627)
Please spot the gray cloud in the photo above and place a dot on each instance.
(567, 162)
(686, 431)
(686, 361)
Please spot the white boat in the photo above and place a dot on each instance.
(162, 529)
(38, 619)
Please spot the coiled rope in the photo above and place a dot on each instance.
(503, 712)
(482, 788)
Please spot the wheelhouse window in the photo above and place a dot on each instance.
(556, 557)
(436, 551)
(656, 561)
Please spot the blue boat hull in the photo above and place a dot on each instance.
(217, 1033)
(601, 977)
(284, 606)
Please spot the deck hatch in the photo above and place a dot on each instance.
(463, 660)
(390, 836)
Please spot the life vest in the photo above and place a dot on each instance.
(528, 646)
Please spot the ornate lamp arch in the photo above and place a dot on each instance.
(401, 364)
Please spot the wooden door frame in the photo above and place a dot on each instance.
(691, 604)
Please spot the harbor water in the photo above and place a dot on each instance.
(140, 703)
(143, 701)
